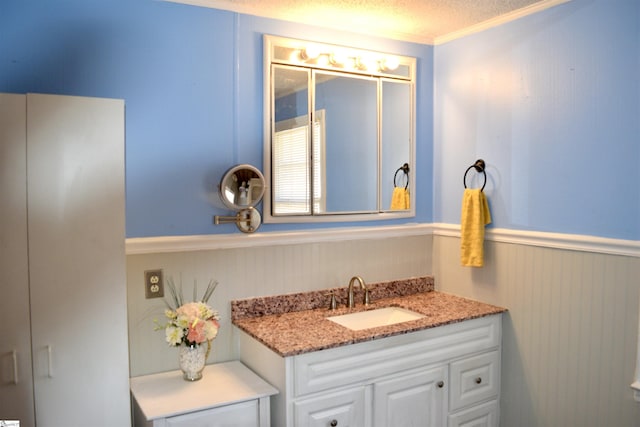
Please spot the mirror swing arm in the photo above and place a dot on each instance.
(247, 220)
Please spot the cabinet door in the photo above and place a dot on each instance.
(243, 414)
(345, 408)
(416, 398)
(16, 390)
(75, 181)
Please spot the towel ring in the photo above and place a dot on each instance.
(405, 169)
(479, 167)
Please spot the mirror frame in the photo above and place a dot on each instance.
(409, 63)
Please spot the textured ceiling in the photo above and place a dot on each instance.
(424, 21)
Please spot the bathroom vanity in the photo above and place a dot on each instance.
(441, 369)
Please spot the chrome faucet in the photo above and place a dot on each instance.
(358, 279)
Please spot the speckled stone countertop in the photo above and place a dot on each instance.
(297, 323)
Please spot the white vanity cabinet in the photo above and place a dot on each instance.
(64, 353)
(447, 375)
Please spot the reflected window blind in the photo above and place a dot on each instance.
(319, 164)
(290, 165)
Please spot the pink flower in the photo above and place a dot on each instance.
(197, 332)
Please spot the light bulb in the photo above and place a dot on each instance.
(390, 63)
(366, 62)
(311, 52)
(323, 60)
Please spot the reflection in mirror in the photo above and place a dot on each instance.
(396, 138)
(241, 186)
(290, 149)
(339, 124)
(351, 141)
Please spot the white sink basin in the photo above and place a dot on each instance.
(374, 318)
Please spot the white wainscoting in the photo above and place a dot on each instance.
(570, 336)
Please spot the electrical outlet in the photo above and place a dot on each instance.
(153, 284)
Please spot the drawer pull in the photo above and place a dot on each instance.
(14, 356)
(440, 384)
(333, 423)
(478, 380)
(49, 363)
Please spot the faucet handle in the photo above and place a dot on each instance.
(333, 304)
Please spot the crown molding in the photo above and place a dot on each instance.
(499, 20)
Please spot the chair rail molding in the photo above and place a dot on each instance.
(574, 242)
(583, 243)
(165, 244)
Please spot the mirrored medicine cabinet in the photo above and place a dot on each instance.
(339, 132)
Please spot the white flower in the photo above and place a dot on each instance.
(174, 335)
(211, 329)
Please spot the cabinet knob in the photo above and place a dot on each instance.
(333, 423)
(478, 380)
(440, 384)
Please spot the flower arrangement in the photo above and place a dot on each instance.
(190, 323)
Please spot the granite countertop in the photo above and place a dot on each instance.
(297, 323)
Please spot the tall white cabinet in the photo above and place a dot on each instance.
(64, 348)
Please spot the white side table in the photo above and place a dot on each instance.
(228, 394)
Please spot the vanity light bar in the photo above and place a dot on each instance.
(344, 58)
(319, 55)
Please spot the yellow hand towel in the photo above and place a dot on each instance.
(400, 199)
(475, 215)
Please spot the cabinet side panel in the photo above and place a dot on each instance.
(16, 389)
(272, 368)
(75, 157)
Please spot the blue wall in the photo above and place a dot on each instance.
(552, 103)
(192, 81)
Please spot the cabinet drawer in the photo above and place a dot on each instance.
(243, 414)
(483, 415)
(344, 408)
(474, 379)
(357, 363)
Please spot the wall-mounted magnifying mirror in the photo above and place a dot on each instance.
(241, 189)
